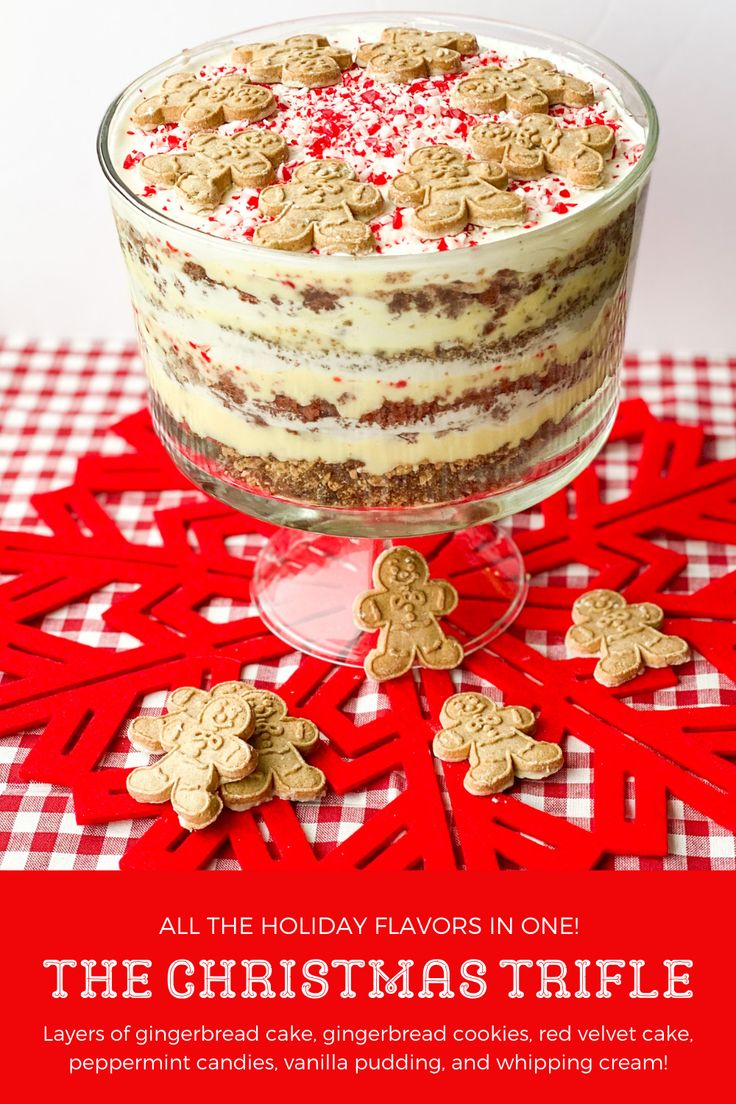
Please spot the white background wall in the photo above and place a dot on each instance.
(60, 271)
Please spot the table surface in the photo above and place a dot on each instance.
(57, 403)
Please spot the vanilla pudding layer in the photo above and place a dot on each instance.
(447, 438)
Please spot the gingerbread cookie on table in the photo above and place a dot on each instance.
(203, 737)
(307, 61)
(405, 607)
(627, 638)
(202, 105)
(539, 145)
(447, 192)
(280, 742)
(497, 742)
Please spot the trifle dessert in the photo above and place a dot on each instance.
(381, 264)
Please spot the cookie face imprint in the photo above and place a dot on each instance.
(371, 97)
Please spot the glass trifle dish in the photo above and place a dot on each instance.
(380, 270)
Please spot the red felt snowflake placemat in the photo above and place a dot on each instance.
(117, 579)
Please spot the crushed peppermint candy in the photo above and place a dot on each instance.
(374, 126)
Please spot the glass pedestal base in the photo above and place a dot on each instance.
(304, 585)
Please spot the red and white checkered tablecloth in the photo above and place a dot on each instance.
(56, 403)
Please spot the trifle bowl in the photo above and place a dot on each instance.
(380, 268)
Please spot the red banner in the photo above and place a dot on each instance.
(127, 987)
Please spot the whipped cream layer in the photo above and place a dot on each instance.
(374, 125)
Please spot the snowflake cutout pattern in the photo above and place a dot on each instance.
(77, 700)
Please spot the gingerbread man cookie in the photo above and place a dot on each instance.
(203, 105)
(406, 54)
(538, 144)
(626, 637)
(308, 61)
(323, 205)
(280, 741)
(497, 742)
(531, 87)
(213, 163)
(203, 737)
(447, 191)
(405, 607)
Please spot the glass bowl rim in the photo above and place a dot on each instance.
(379, 260)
